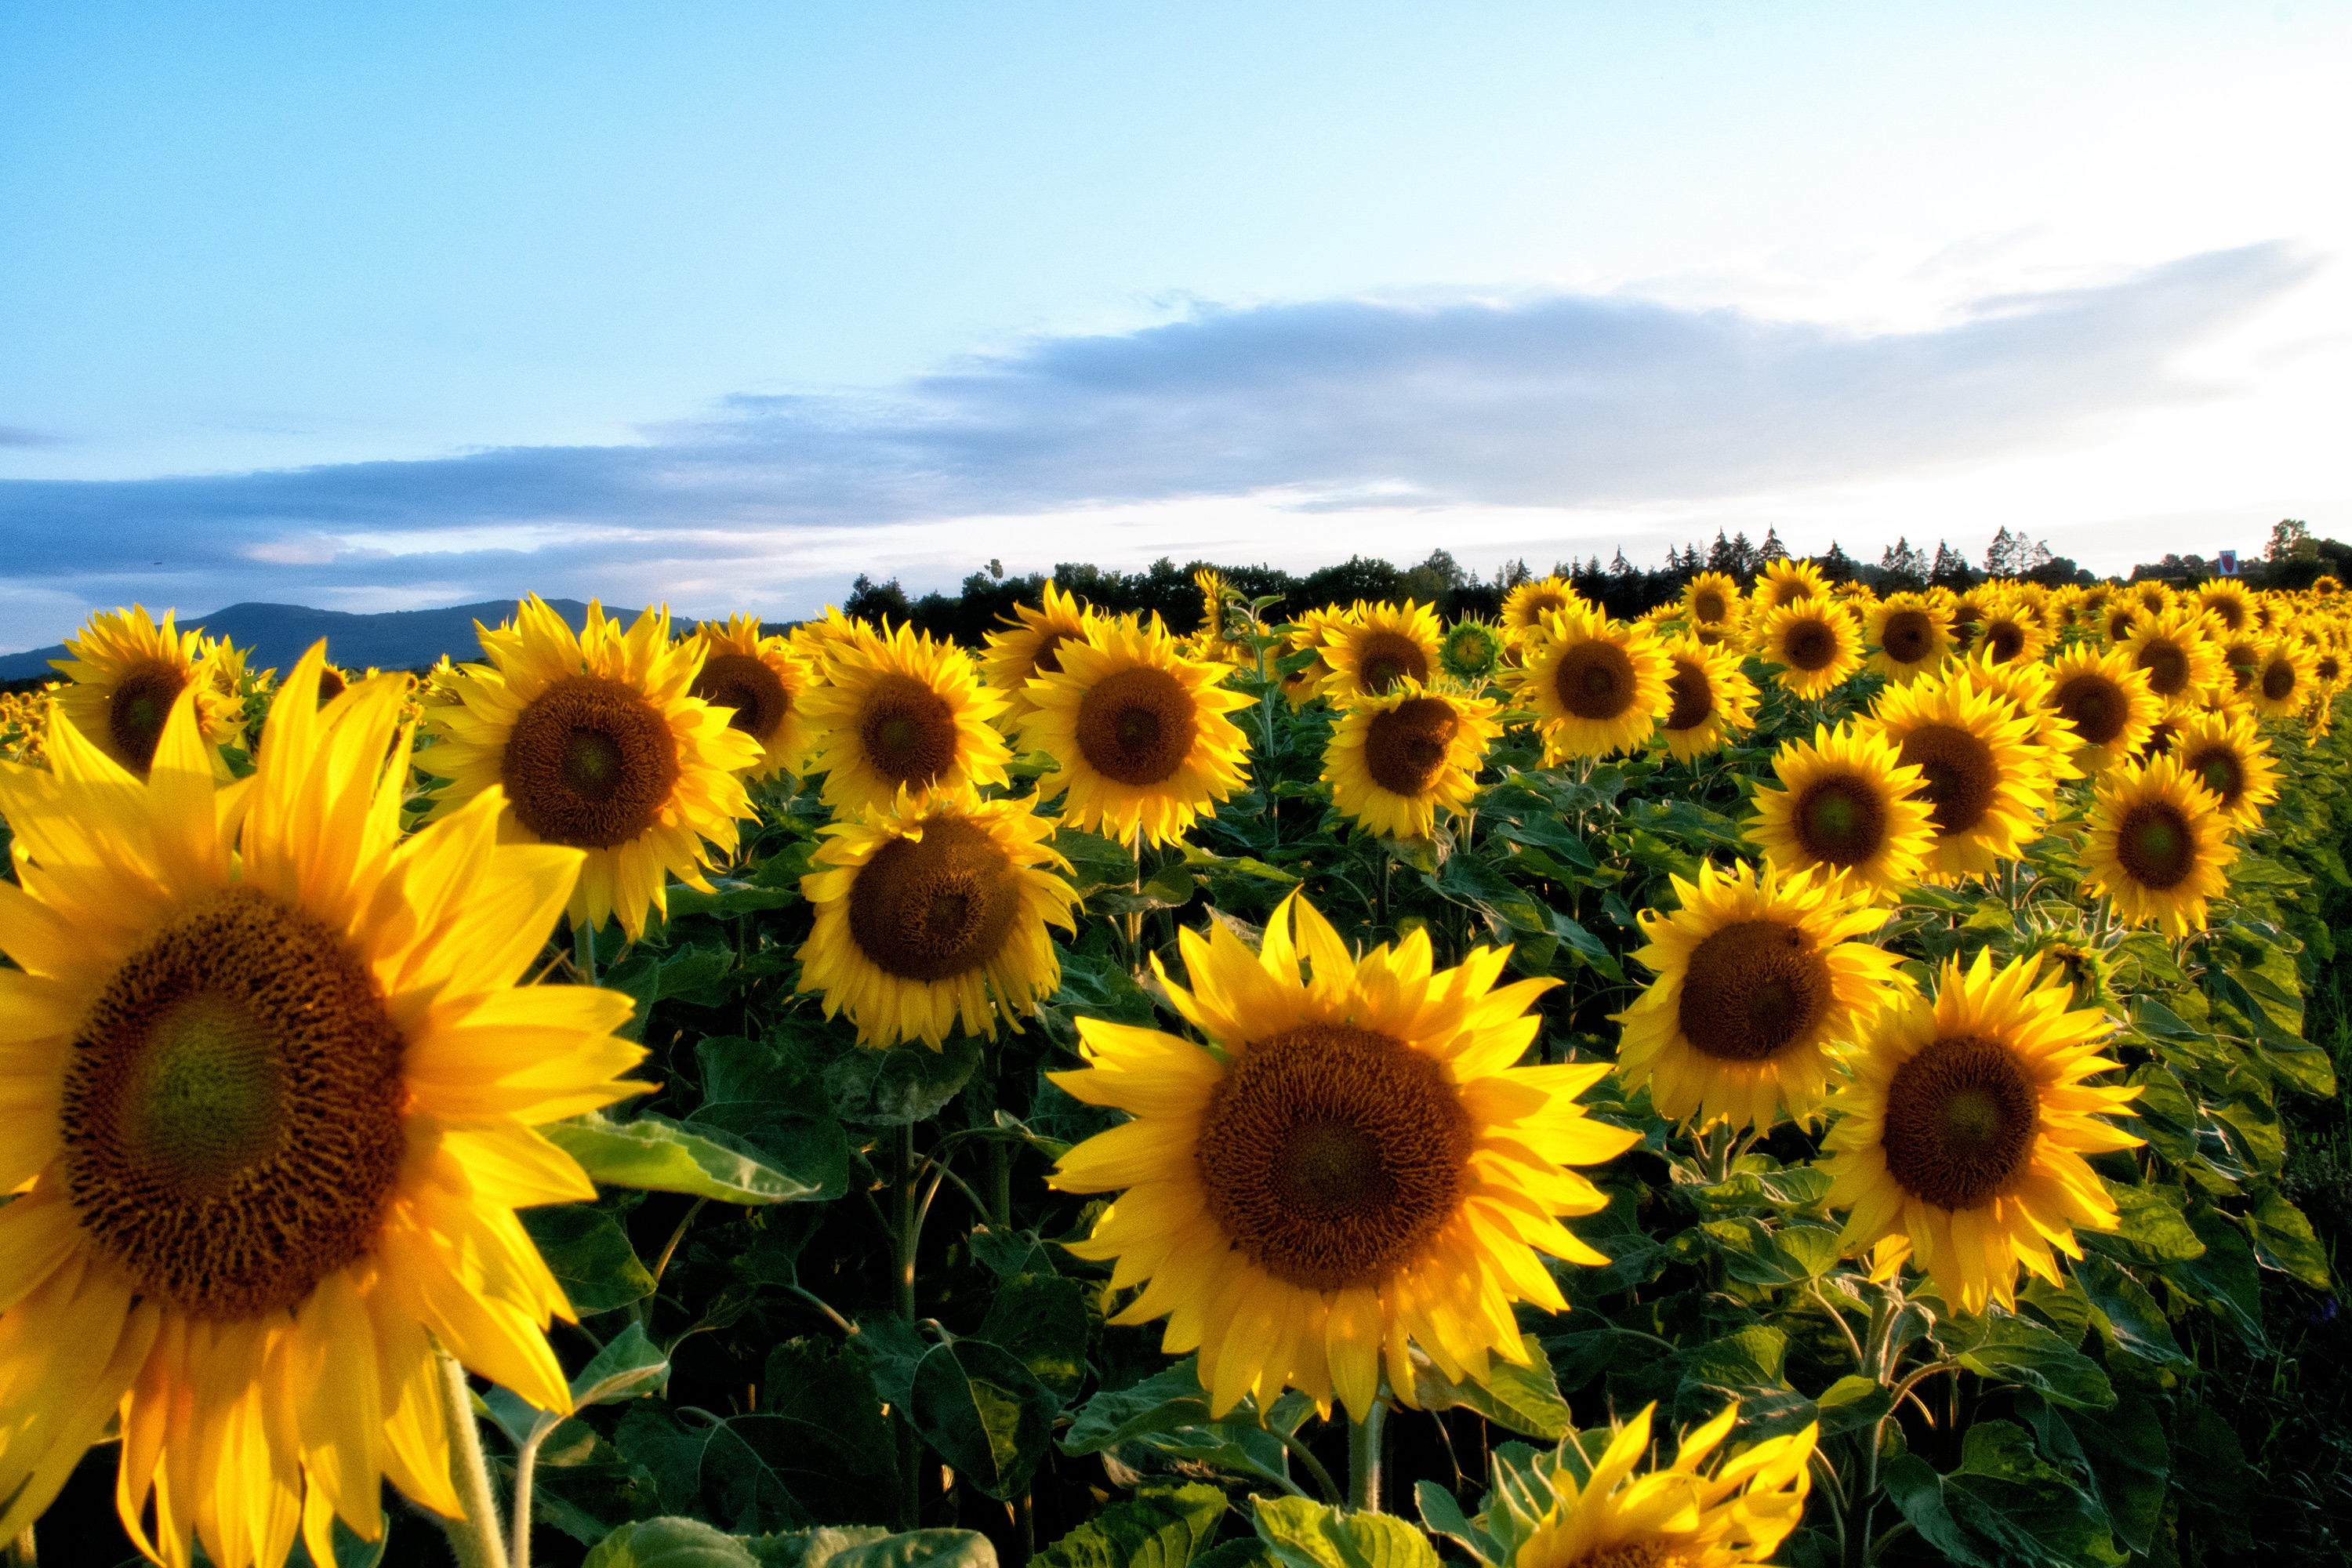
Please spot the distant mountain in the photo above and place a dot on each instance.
(395, 639)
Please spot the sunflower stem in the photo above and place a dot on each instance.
(1364, 1459)
(583, 951)
(474, 1535)
(25, 1551)
(903, 1234)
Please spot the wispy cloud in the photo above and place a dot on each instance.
(1556, 401)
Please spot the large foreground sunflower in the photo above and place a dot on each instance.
(597, 743)
(900, 712)
(1392, 760)
(760, 681)
(1912, 636)
(2159, 843)
(1760, 983)
(1375, 647)
(1814, 641)
(1030, 644)
(2106, 700)
(1849, 803)
(270, 1108)
(1596, 686)
(2227, 755)
(1709, 699)
(1599, 1513)
(1142, 734)
(1351, 1165)
(934, 912)
(1960, 1142)
(125, 671)
(1987, 778)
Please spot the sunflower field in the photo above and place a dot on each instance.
(1795, 1077)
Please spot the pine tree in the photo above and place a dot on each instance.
(1951, 568)
(1906, 568)
(1620, 567)
(1837, 565)
(1772, 549)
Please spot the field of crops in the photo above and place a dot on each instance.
(1797, 1077)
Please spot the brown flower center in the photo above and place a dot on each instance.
(1383, 657)
(2155, 845)
(1960, 773)
(937, 907)
(2241, 658)
(2217, 765)
(1694, 695)
(1595, 681)
(136, 709)
(1753, 989)
(2095, 705)
(231, 1114)
(1908, 637)
(1809, 645)
(1332, 1155)
(1406, 747)
(590, 763)
(2005, 639)
(1707, 605)
(2167, 663)
(2159, 740)
(2278, 679)
(907, 732)
(2229, 611)
(331, 684)
(1048, 656)
(1137, 726)
(1840, 819)
(758, 695)
(1960, 1121)
(2119, 623)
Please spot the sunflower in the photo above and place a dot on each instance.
(2157, 843)
(2284, 677)
(1029, 644)
(124, 673)
(818, 640)
(1912, 637)
(1472, 651)
(1219, 607)
(934, 912)
(1351, 1165)
(1314, 629)
(1968, 611)
(2013, 632)
(1960, 1142)
(1392, 760)
(1709, 699)
(1689, 1515)
(2152, 596)
(1784, 582)
(1140, 733)
(1759, 987)
(2227, 753)
(1850, 803)
(899, 712)
(1597, 687)
(1711, 599)
(2183, 663)
(1814, 641)
(2116, 621)
(2242, 655)
(1525, 607)
(2230, 603)
(761, 681)
(1375, 647)
(270, 1112)
(597, 743)
(2325, 586)
(2106, 702)
(1985, 772)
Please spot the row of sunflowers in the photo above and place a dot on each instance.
(1751, 1021)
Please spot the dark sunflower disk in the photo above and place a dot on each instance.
(1332, 1155)
(331, 684)
(2155, 845)
(2217, 765)
(1908, 637)
(1693, 694)
(136, 709)
(1841, 820)
(1960, 1121)
(757, 694)
(232, 1109)
(1753, 989)
(1595, 681)
(937, 907)
(907, 732)
(1137, 726)
(2167, 663)
(2278, 679)
(590, 764)
(2095, 705)
(1811, 645)
(1959, 773)
(1384, 657)
(1405, 746)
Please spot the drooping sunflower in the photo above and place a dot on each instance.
(1597, 686)
(1711, 599)
(2227, 753)
(1377, 646)
(2104, 700)
(598, 743)
(1849, 803)
(1392, 760)
(2285, 674)
(270, 1108)
(2013, 632)
(934, 912)
(1525, 607)
(1140, 732)
(2183, 662)
(1960, 1142)
(1353, 1164)
(2157, 843)
(1219, 607)
(1911, 636)
(1691, 1514)
(1760, 985)
(1784, 582)
(1472, 652)
(1709, 699)
(1814, 641)
(124, 671)
(899, 712)
(1987, 777)
(761, 682)
(1029, 644)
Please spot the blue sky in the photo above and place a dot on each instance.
(377, 307)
